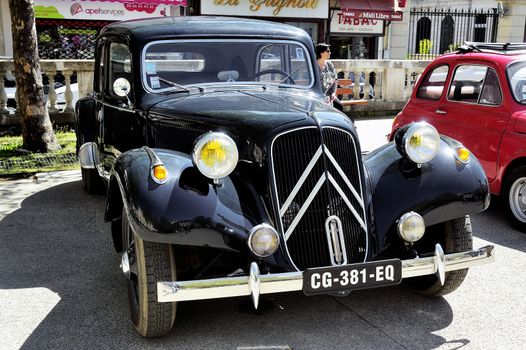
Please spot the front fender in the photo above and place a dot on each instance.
(186, 210)
(440, 190)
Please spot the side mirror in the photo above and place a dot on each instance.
(121, 87)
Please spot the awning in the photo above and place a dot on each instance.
(387, 10)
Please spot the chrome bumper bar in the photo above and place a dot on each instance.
(256, 284)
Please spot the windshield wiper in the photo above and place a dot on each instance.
(294, 71)
(175, 85)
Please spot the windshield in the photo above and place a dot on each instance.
(169, 64)
(517, 79)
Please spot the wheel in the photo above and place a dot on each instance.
(514, 197)
(91, 181)
(149, 263)
(276, 71)
(454, 236)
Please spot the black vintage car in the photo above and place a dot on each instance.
(226, 175)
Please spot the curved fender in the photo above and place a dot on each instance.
(440, 190)
(188, 209)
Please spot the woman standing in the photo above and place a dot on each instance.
(329, 82)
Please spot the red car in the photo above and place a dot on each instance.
(478, 97)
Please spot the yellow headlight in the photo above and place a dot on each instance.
(215, 155)
(421, 142)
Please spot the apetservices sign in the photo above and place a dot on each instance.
(110, 10)
(347, 25)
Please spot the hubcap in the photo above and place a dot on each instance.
(125, 265)
(517, 199)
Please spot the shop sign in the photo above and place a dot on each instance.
(377, 15)
(342, 24)
(267, 8)
(109, 10)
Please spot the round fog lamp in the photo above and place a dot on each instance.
(263, 240)
(411, 227)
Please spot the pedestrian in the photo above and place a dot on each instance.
(329, 82)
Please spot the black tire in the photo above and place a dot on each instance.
(514, 197)
(150, 263)
(91, 181)
(454, 236)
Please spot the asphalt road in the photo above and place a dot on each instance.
(61, 288)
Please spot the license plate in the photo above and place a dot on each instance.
(352, 277)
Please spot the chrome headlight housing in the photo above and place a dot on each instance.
(420, 142)
(215, 155)
(263, 240)
(411, 227)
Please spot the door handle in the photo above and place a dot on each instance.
(439, 111)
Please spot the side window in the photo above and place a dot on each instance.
(119, 65)
(100, 68)
(432, 86)
(491, 92)
(466, 85)
(271, 58)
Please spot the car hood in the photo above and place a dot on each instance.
(243, 112)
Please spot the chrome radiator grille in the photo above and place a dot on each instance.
(313, 183)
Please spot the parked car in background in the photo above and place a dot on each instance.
(60, 90)
(227, 175)
(478, 97)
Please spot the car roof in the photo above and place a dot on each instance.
(143, 30)
(499, 58)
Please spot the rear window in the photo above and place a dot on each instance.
(433, 84)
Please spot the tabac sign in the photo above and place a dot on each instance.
(267, 8)
(362, 26)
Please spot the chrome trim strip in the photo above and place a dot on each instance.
(300, 182)
(293, 281)
(345, 178)
(336, 243)
(305, 206)
(346, 200)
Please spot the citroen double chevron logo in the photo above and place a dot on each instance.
(326, 176)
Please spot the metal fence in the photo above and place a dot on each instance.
(433, 32)
(62, 39)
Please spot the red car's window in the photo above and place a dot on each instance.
(517, 79)
(433, 84)
(475, 84)
(491, 94)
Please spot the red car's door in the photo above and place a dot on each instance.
(474, 112)
(426, 100)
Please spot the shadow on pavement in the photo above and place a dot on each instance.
(497, 227)
(58, 241)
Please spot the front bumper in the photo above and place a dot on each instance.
(256, 284)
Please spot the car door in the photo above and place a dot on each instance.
(474, 111)
(121, 126)
(430, 92)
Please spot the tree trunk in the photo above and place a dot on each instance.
(37, 131)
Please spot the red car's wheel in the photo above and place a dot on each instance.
(514, 196)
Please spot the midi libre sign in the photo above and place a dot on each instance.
(267, 8)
